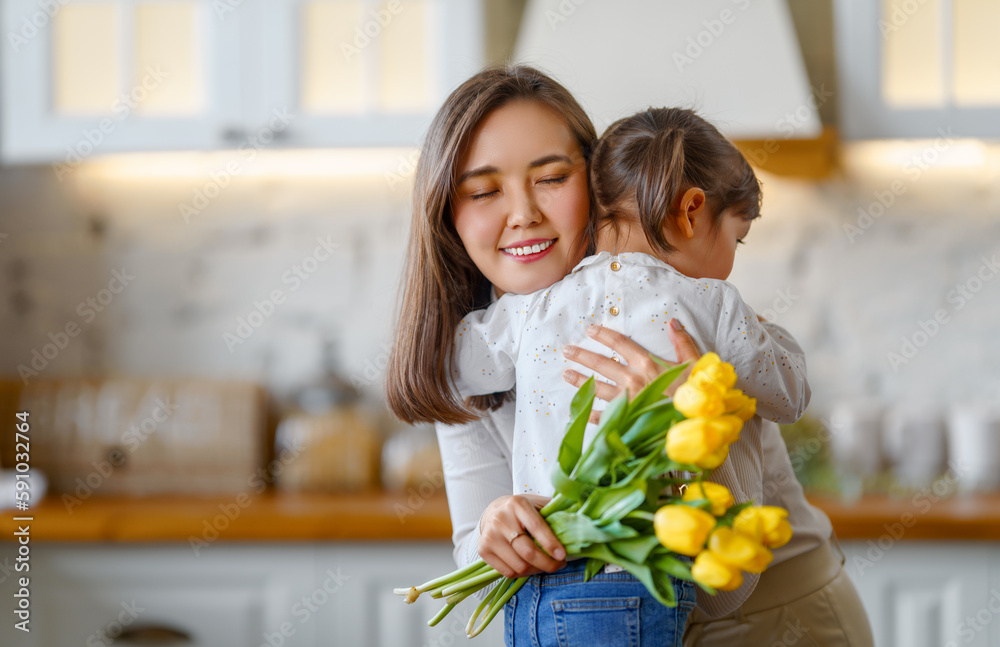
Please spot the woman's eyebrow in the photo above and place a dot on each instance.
(476, 172)
(548, 159)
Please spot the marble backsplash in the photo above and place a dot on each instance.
(885, 275)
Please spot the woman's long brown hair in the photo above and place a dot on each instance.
(442, 284)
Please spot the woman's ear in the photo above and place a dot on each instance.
(688, 210)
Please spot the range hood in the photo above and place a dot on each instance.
(735, 61)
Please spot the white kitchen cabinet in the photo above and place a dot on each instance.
(95, 77)
(228, 595)
(235, 595)
(370, 614)
(923, 594)
(918, 68)
(87, 77)
(363, 73)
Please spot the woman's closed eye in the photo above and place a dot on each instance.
(554, 180)
(482, 195)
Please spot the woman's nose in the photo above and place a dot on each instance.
(524, 211)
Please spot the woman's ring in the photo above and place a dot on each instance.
(515, 536)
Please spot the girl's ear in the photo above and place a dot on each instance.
(689, 209)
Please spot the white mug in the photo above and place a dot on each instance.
(974, 445)
(855, 436)
(914, 442)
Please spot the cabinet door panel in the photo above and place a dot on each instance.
(103, 76)
(917, 69)
(369, 614)
(227, 596)
(363, 72)
(921, 594)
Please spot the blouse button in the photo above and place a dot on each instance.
(615, 266)
(614, 311)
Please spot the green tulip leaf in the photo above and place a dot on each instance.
(653, 391)
(568, 487)
(572, 443)
(635, 549)
(668, 563)
(593, 567)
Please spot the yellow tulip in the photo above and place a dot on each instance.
(718, 495)
(739, 550)
(698, 399)
(704, 362)
(729, 428)
(766, 524)
(716, 372)
(694, 442)
(709, 570)
(682, 528)
(740, 405)
(716, 458)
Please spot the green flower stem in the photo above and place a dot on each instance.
(497, 605)
(640, 514)
(455, 598)
(487, 577)
(445, 610)
(472, 569)
(485, 604)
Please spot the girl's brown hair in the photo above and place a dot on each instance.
(442, 284)
(644, 163)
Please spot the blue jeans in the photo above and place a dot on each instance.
(614, 609)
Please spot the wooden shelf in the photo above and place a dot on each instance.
(974, 517)
(383, 516)
(813, 159)
(264, 517)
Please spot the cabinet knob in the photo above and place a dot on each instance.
(154, 635)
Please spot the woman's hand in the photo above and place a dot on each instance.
(508, 530)
(639, 370)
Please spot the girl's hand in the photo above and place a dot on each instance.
(640, 369)
(516, 516)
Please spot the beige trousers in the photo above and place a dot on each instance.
(807, 600)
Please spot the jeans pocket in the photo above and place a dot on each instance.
(597, 621)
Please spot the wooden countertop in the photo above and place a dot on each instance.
(264, 517)
(402, 517)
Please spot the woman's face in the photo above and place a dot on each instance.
(521, 204)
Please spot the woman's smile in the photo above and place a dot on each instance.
(527, 251)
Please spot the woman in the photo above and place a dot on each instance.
(495, 210)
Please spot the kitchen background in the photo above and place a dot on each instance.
(878, 247)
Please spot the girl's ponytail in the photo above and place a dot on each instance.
(660, 179)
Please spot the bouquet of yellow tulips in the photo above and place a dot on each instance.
(620, 501)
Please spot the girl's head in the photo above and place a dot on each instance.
(503, 169)
(673, 174)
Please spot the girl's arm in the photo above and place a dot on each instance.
(486, 343)
(770, 364)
